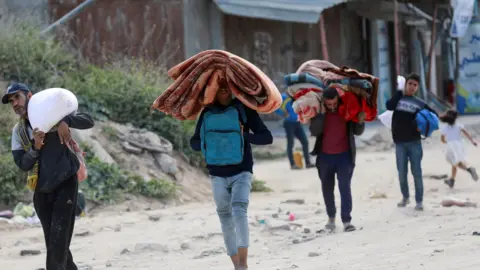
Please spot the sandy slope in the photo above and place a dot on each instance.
(187, 237)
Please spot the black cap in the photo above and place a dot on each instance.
(12, 89)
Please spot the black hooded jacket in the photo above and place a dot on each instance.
(56, 161)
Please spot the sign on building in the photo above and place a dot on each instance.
(468, 84)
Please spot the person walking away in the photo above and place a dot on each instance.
(407, 138)
(293, 129)
(336, 151)
(223, 133)
(52, 168)
(452, 137)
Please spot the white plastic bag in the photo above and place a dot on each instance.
(386, 119)
(400, 83)
(46, 108)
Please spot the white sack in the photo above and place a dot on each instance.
(386, 119)
(400, 82)
(46, 108)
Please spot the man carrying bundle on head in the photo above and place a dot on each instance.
(224, 133)
(225, 93)
(336, 102)
(336, 151)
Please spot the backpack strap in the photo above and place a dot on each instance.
(242, 113)
(284, 106)
(23, 134)
(32, 175)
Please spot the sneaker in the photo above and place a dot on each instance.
(473, 173)
(450, 182)
(295, 167)
(330, 224)
(348, 227)
(419, 206)
(310, 165)
(403, 202)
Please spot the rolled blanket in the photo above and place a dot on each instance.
(198, 79)
(359, 83)
(350, 88)
(330, 73)
(358, 91)
(354, 74)
(308, 104)
(318, 69)
(302, 78)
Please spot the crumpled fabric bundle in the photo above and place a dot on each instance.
(358, 91)
(307, 106)
(306, 90)
(329, 73)
(352, 105)
(198, 79)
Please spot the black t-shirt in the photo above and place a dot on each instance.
(405, 108)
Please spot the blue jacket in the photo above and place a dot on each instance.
(286, 110)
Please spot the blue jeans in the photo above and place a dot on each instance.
(342, 166)
(295, 130)
(231, 195)
(413, 152)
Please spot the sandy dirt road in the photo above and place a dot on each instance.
(188, 237)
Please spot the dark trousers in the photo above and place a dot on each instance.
(343, 169)
(56, 212)
(294, 129)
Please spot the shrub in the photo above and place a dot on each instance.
(260, 186)
(12, 180)
(8, 119)
(107, 182)
(124, 94)
(29, 58)
(122, 91)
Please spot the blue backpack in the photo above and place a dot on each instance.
(221, 135)
(427, 122)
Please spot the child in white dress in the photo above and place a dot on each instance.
(452, 136)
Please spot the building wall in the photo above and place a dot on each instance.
(276, 47)
(107, 29)
(197, 34)
(34, 10)
(352, 41)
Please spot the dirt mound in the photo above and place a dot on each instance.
(146, 154)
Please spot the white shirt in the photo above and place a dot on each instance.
(452, 133)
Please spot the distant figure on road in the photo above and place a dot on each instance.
(452, 136)
(293, 129)
(335, 150)
(407, 139)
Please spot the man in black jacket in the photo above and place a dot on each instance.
(52, 170)
(335, 150)
(408, 144)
